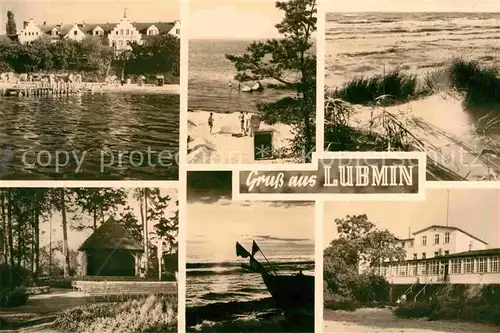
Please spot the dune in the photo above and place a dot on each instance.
(452, 144)
(222, 146)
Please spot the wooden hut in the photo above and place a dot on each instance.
(111, 251)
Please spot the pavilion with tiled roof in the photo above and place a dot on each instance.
(111, 251)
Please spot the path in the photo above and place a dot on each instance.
(383, 320)
(42, 308)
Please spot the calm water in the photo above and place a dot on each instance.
(367, 44)
(122, 134)
(209, 76)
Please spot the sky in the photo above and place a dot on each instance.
(236, 19)
(213, 229)
(475, 211)
(90, 11)
(412, 6)
(76, 238)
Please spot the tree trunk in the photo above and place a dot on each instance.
(65, 233)
(146, 240)
(50, 245)
(37, 238)
(4, 228)
(11, 228)
(95, 219)
(308, 146)
(20, 238)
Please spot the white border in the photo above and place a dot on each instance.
(319, 218)
(320, 77)
(340, 197)
(182, 191)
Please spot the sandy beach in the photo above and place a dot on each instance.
(455, 146)
(422, 44)
(221, 147)
(383, 320)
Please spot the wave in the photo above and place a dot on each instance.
(229, 264)
(211, 296)
(231, 268)
(370, 17)
(226, 310)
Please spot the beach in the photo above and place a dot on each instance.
(219, 291)
(221, 146)
(370, 44)
(383, 320)
(210, 76)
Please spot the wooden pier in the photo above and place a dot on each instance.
(39, 91)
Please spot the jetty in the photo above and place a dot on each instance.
(21, 91)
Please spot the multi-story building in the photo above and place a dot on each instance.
(438, 240)
(439, 254)
(118, 35)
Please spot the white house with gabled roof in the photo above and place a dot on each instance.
(30, 32)
(75, 33)
(119, 35)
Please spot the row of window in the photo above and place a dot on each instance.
(437, 239)
(424, 255)
(443, 267)
(119, 43)
(128, 32)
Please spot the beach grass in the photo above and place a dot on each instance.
(396, 84)
(480, 85)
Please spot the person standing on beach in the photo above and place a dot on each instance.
(211, 122)
(242, 122)
(248, 128)
(230, 85)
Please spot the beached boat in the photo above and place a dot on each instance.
(292, 293)
(257, 87)
(246, 89)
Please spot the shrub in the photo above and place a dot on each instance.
(13, 297)
(60, 283)
(77, 318)
(339, 302)
(369, 288)
(414, 310)
(14, 276)
(152, 314)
